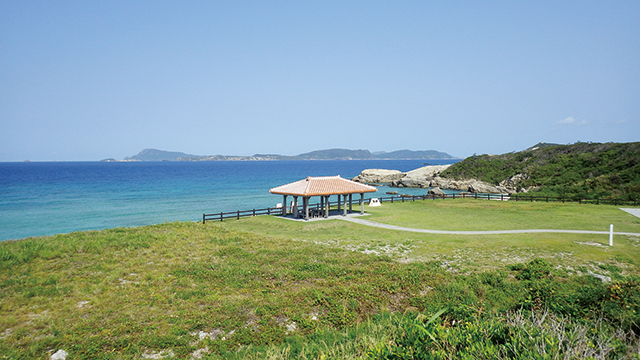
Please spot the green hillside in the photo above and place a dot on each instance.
(590, 170)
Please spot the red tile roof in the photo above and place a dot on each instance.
(322, 185)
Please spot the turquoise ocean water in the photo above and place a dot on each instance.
(45, 198)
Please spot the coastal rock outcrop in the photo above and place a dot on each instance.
(378, 176)
(512, 183)
(436, 191)
(421, 177)
(469, 185)
(429, 177)
(483, 187)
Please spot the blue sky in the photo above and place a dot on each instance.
(87, 80)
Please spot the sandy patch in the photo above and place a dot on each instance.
(591, 243)
(158, 355)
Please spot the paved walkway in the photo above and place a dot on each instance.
(633, 211)
(491, 232)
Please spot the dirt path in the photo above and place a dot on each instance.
(490, 232)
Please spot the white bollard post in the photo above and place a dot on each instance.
(611, 235)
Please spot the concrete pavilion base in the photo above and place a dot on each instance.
(333, 214)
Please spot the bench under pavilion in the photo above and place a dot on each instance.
(324, 187)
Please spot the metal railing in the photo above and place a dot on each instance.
(579, 200)
(402, 198)
(268, 211)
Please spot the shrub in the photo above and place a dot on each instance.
(513, 335)
(535, 269)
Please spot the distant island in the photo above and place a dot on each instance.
(329, 154)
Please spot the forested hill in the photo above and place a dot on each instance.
(581, 169)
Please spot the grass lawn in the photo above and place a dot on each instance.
(267, 287)
(467, 214)
(183, 287)
(574, 252)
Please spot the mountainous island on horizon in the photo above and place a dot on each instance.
(328, 154)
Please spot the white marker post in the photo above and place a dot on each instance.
(611, 235)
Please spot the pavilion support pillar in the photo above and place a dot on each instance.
(339, 202)
(361, 203)
(350, 203)
(326, 207)
(305, 203)
(295, 206)
(284, 205)
(321, 203)
(345, 205)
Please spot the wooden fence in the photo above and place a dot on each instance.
(402, 198)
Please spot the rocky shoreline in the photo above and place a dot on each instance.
(429, 177)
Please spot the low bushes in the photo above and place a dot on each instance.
(535, 315)
(512, 335)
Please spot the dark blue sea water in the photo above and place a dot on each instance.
(45, 198)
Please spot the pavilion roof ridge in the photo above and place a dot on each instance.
(322, 186)
(325, 177)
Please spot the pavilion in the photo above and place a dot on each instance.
(323, 186)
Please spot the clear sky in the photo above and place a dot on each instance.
(87, 80)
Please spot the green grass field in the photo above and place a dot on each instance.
(467, 252)
(267, 287)
(467, 214)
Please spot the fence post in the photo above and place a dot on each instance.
(563, 199)
(238, 218)
(611, 235)
(488, 196)
(220, 215)
(203, 218)
(476, 196)
(254, 212)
